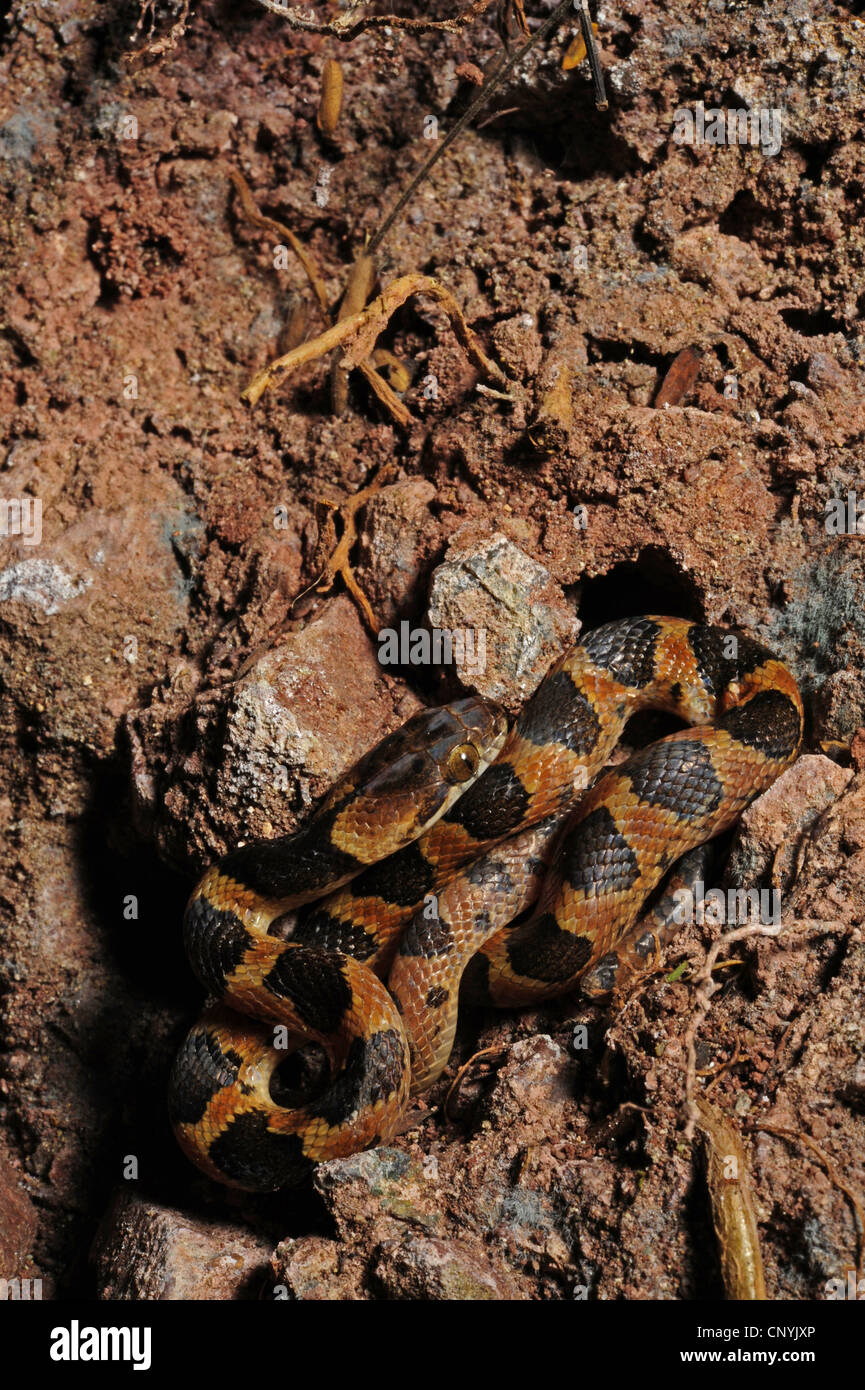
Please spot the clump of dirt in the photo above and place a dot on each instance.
(170, 682)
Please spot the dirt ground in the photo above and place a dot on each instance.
(170, 686)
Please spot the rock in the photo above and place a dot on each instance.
(40, 584)
(381, 1188)
(537, 1074)
(512, 610)
(315, 1269)
(729, 265)
(839, 706)
(422, 1268)
(304, 713)
(212, 772)
(144, 1251)
(518, 346)
(826, 374)
(782, 816)
(399, 537)
(17, 1223)
(91, 617)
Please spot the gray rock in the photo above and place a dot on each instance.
(514, 615)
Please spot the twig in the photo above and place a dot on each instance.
(338, 561)
(253, 214)
(270, 224)
(505, 66)
(850, 1193)
(346, 26)
(594, 61)
(360, 332)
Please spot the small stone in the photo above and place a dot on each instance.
(825, 373)
(518, 346)
(17, 1223)
(512, 609)
(315, 1269)
(452, 1270)
(782, 815)
(398, 540)
(381, 1185)
(144, 1251)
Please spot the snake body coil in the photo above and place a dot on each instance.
(399, 877)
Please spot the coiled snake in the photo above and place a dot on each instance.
(410, 881)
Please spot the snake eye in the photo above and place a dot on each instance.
(462, 762)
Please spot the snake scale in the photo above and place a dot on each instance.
(458, 851)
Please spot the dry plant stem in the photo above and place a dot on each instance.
(592, 52)
(270, 224)
(156, 47)
(850, 1193)
(733, 1214)
(338, 562)
(496, 1051)
(706, 987)
(377, 383)
(360, 331)
(346, 26)
(357, 291)
(385, 393)
(330, 103)
(720, 1067)
(505, 65)
(494, 394)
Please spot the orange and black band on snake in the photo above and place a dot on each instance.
(456, 854)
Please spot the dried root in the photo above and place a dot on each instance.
(354, 21)
(154, 48)
(706, 987)
(359, 283)
(357, 335)
(853, 1197)
(338, 563)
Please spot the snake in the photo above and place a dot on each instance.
(463, 858)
